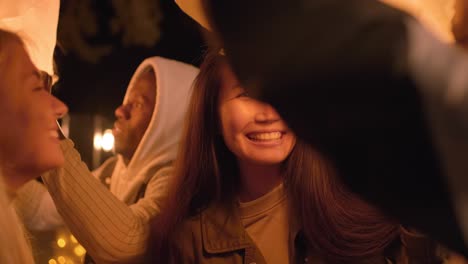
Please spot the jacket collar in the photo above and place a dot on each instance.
(222, 230)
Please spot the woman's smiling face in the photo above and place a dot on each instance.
(28, 112)
(251, 129)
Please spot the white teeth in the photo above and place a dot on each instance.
(265, 136)
(54, 133)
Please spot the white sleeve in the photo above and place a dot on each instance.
(36, 208)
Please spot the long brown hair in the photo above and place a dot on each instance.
(335, 222)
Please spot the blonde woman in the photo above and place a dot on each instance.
(29, 143)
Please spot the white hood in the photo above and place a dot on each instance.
(159, 144)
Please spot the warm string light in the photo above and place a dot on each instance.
(107, 143)
(62, 260)
(61, 243)
(79, 251)
(69, 250)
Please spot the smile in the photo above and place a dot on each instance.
(54, 133)
(265, 136)
(116, 129)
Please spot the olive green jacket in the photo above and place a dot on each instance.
(217, 236)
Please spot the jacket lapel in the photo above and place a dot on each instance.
(222, 231)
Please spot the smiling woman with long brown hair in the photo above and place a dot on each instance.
(246, 190)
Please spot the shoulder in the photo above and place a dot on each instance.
(163, 170)
(181, 246)
(110, 162)
(189, 231)
(106, 169)
(159, 174)
(419, 248)
(187, 241)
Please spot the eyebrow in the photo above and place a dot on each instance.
(145, 98)
(237, 85)
(140, 96)
(35, 73)
(38, 74)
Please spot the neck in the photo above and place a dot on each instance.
(125, 158)
(257, 180)
(13, 181)
(10, 193)
(126, 161)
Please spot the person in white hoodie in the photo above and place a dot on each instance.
(109, 211)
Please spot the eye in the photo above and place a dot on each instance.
(38, 88)
(137, 105)
(47, 80)
(243, 94)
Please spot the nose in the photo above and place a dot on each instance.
(266, 114)
(121, 112)
(60, 108)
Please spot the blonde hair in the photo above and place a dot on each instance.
(14, 247)
(7, 38)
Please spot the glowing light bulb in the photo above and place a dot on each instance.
(61, 259)
(107, 142)
(61, 243)
(79, 251)
(97, 141)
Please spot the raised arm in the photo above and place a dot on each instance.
(110, 230)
